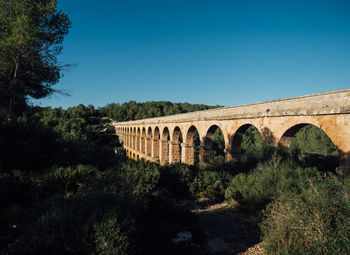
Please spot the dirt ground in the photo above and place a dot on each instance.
(235, 231)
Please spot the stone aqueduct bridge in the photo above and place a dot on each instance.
(158, 139)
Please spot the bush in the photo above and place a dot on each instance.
(95, 223)
(14, 187)
(210, 184)
(110, 238)
(314, 221)
(65, 180)
(256, 189)
(132, 180)
(27, 146)
(177, 179)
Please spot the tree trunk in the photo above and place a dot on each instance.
(12, 93)
(10, 110)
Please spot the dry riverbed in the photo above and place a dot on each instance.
(226, 230)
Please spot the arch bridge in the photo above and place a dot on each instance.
(169, 139)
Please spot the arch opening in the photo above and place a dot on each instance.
(247, 142)
(190, 149)
(127, 137)
(213, 149)
(310, 146)
(143, 140)
(164, 146)
(134, 138)
(148, 149)
(138, 140)
(155, 147)
(175, 149)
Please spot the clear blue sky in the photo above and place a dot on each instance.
(203, 51)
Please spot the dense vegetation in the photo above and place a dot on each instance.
(134, 111)
(64, 190)
(31, 36)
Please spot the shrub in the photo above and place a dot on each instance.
(314, 221)
(110, 238)
(65, 180)
(13, 187)
(132, 180)
(210, 184)
(268, 180)
(177, 179)
(95, 223)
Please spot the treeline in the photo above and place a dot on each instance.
(135, 111)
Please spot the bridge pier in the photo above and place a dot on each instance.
(148, 149)
(143, 145)
(155, 149)
(206, 155)
(164, 152)
(138, 143)
(231, 156)
(344, 164)
(175, 153)
(187, 155)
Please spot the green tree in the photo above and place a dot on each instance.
(31, 33)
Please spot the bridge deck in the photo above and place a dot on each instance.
(334, 102)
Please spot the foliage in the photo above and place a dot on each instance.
(72, 124)
(134, 111)
(312, 147)
(312, 221)
(254, 190)
(81, 224)
(252, 141)
(177, 178)
(209, 185)
(65, 180)
(311, 139)
(31, 36)
(218, 143)
(27, 145)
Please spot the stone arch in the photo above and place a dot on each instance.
(134, 138)
(288, 135)
(236, 142)
(164, 146)
(175, 146)
(319, 156)
(207, 152)
(155, 147)
(148, 148)
(177, 135)
(138, 139)
(128, 137)
(189, 153)
(143, 140)
(125, 138)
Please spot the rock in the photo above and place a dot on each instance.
(216, 245)
(182, 237)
